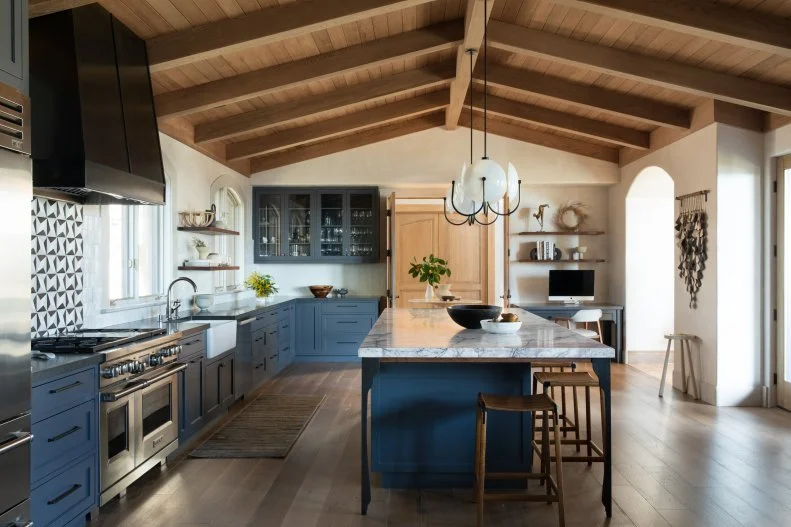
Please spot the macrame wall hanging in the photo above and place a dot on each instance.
(692, 238)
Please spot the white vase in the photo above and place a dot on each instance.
(429, 292)
(203, 252)
(443, 290)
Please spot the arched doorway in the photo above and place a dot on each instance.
(650, 268)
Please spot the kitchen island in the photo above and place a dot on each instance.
(424, 373)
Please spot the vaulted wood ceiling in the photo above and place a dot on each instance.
(258, 84)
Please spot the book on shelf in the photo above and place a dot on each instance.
(545, 250)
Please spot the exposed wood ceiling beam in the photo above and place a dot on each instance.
(643, 68)
(262, 27)
(344, 124)
(701, 18)
(289, 75)
(635, 107)
(535, 137)
(271, 116)
(46, 7)
(181, 131)
(566, 122)
(475, 20)
(338, 144)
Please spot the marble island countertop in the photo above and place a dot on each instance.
(430, 333)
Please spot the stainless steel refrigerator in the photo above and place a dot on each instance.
(16, 192)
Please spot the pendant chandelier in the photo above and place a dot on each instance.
(483, 184)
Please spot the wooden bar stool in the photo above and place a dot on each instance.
(580, 379)
(683, 339)
(559, 366)
(534, 404)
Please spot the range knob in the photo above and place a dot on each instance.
(108, 373)
(155, 360)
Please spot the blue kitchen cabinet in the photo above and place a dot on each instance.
(333, 329)
(65, 449)
(306, 316)
(14, 44)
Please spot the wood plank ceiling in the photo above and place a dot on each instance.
(258, 84)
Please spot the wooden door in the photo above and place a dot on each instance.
(783, 272)
(421, 230)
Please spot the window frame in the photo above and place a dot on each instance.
(227, 281)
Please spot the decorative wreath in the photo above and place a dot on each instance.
(571, 216)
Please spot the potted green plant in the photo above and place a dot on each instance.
(263, 284)
(200, 246)
(430, 270)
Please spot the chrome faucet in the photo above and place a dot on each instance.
(172, 309)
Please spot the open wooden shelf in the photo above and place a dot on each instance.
(558, 261)
(557, 233)
(210, 268)
(209, 230)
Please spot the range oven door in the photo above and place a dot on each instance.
(158, 410)
(119, 443)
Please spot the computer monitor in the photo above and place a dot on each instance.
(570, 287)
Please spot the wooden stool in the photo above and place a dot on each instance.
(585, 380)
(683, 339)
(533, 404)
(556, 365)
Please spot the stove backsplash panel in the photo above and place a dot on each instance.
(57, 258)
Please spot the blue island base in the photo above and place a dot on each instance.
(423, 423)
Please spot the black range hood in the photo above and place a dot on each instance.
(94, 130)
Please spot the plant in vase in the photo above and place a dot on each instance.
(200, 246)
(430, 270)
(263, 285)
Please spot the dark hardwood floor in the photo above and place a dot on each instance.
(677, 462)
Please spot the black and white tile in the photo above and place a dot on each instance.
(57, 259)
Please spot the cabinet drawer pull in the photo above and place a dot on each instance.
(259, 339)
(347, 322)
(284, 327)
(346, 305)
(222, 365)
(247, 321)
(74, 488)
(190, 343)
(346, 342)
(273, 333)
(193, 361)
(67, 387)
(62, 435)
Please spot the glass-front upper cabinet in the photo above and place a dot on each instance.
(298, 226)
(333, 228)
(268, 225)
(363, 224)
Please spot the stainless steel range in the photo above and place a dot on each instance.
(139, 387)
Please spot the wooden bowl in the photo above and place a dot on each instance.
(320, 291)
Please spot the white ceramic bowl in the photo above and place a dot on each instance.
(491, 326)
(204, 301)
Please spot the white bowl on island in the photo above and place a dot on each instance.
(491, 326)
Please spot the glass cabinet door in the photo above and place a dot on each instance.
(270, 225)
(362, 224)
(298, 205)
(333, 222)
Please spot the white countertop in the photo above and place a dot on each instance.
(430, 333)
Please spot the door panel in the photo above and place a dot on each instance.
(417, 235)
(784, 282)
(465, 249)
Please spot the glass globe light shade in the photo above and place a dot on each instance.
(465, 206)
(496, 183)
(513, 184)
(471, 187)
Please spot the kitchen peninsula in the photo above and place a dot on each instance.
(424, 373)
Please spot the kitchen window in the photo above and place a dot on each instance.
(135, 241)
(229, 215)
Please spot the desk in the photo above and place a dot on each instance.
(610, 312)
(440, 302)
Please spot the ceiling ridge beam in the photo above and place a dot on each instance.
(264, 81)
(264, 118)
(566, 122)
(336, 126)
(642, 68)
(261, 27)
(700, 18)
(37, 8)
(528, 135)
(475, 19)
(346, 142)
(611, 101)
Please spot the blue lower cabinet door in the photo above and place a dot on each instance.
(63, 438)
(71, 492)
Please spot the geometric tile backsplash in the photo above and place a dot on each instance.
(57, 256)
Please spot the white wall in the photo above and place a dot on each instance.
(692, 163)
(649, 307)
(421, 164)
(190, 176)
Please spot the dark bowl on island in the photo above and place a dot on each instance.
(470, 315)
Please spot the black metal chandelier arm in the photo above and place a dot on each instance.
(518, 201)
(453, 200)
(445, 211)
(484, 223)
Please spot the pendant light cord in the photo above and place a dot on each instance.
(485, 80)
(471, 52)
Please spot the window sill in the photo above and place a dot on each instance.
(130, 305)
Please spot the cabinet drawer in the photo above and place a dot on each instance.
(61, 394)
(193, 345)
(346, 323)
(342, 343)
(62, 438)
(65, 495)
(334, 307)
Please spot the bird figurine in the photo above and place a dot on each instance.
(539, 216)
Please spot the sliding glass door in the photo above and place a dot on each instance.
(784, 282)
